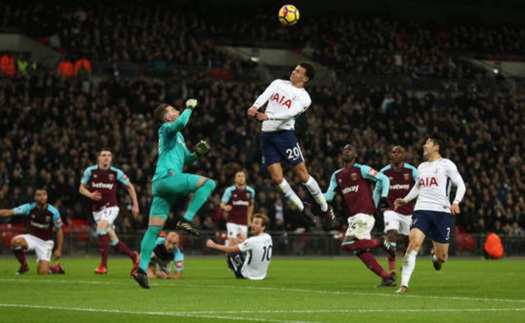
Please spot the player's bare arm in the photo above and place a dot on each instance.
(95, 195)
(398, 203)
(252, 111)
(133, 194)
(60, 239)
(228, 249)
(7, 212)
(454, 208)
(225, 207)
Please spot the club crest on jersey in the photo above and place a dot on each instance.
(282, 100)
(372, 172)
(406, 177)
(248, 195)
(48, 219)
(428, 181)
(353, 176)
(111, 177)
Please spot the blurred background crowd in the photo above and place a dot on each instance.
(53, 120)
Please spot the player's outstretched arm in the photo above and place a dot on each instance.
(7, 212)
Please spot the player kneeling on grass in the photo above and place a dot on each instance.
(167, 250)
(43, 218)
(251, 257)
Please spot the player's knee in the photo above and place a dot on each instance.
(18, 241)
(277, 178)
(414, 245)
(211, 184)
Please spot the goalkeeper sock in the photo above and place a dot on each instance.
(147, 245)
(200, 196)
(290, 195)
(314, 189)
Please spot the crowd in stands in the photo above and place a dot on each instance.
(181, 35)
(51, 126)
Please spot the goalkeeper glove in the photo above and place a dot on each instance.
(202, 148)
(383, 204)
(191, 103)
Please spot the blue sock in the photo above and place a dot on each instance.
(200, 196)
(147, 245)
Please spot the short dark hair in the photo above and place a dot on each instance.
(438, 141)
(105, 149)
(310, 69)
(160, 112)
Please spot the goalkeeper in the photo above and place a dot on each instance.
(169, 181)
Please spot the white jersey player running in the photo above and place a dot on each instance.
(433, 210)
(286, 101)
(251, 257)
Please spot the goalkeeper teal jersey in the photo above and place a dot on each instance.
(173, 153)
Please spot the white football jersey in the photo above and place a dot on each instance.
(285, 103)
(258, 252)
(434, 181)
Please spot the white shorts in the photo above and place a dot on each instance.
(397, 221)
(234, 228)
(109, 214)
(360, 226)
(43, 249)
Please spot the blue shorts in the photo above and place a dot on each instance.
(280, 145)
(437, 223)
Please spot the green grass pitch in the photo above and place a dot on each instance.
(296, 290)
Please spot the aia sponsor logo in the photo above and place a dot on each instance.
(428, 182)
(282, 100)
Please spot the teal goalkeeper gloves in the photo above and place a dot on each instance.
(202, 148)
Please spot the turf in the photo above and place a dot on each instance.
(296, 290)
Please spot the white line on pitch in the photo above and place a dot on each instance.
(178, 314)
(292, 290)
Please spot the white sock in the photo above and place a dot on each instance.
(290, 195)
(409, 264)
(314, 189)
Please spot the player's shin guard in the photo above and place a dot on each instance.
(314, 189)
(147, 245)
(200, 196)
